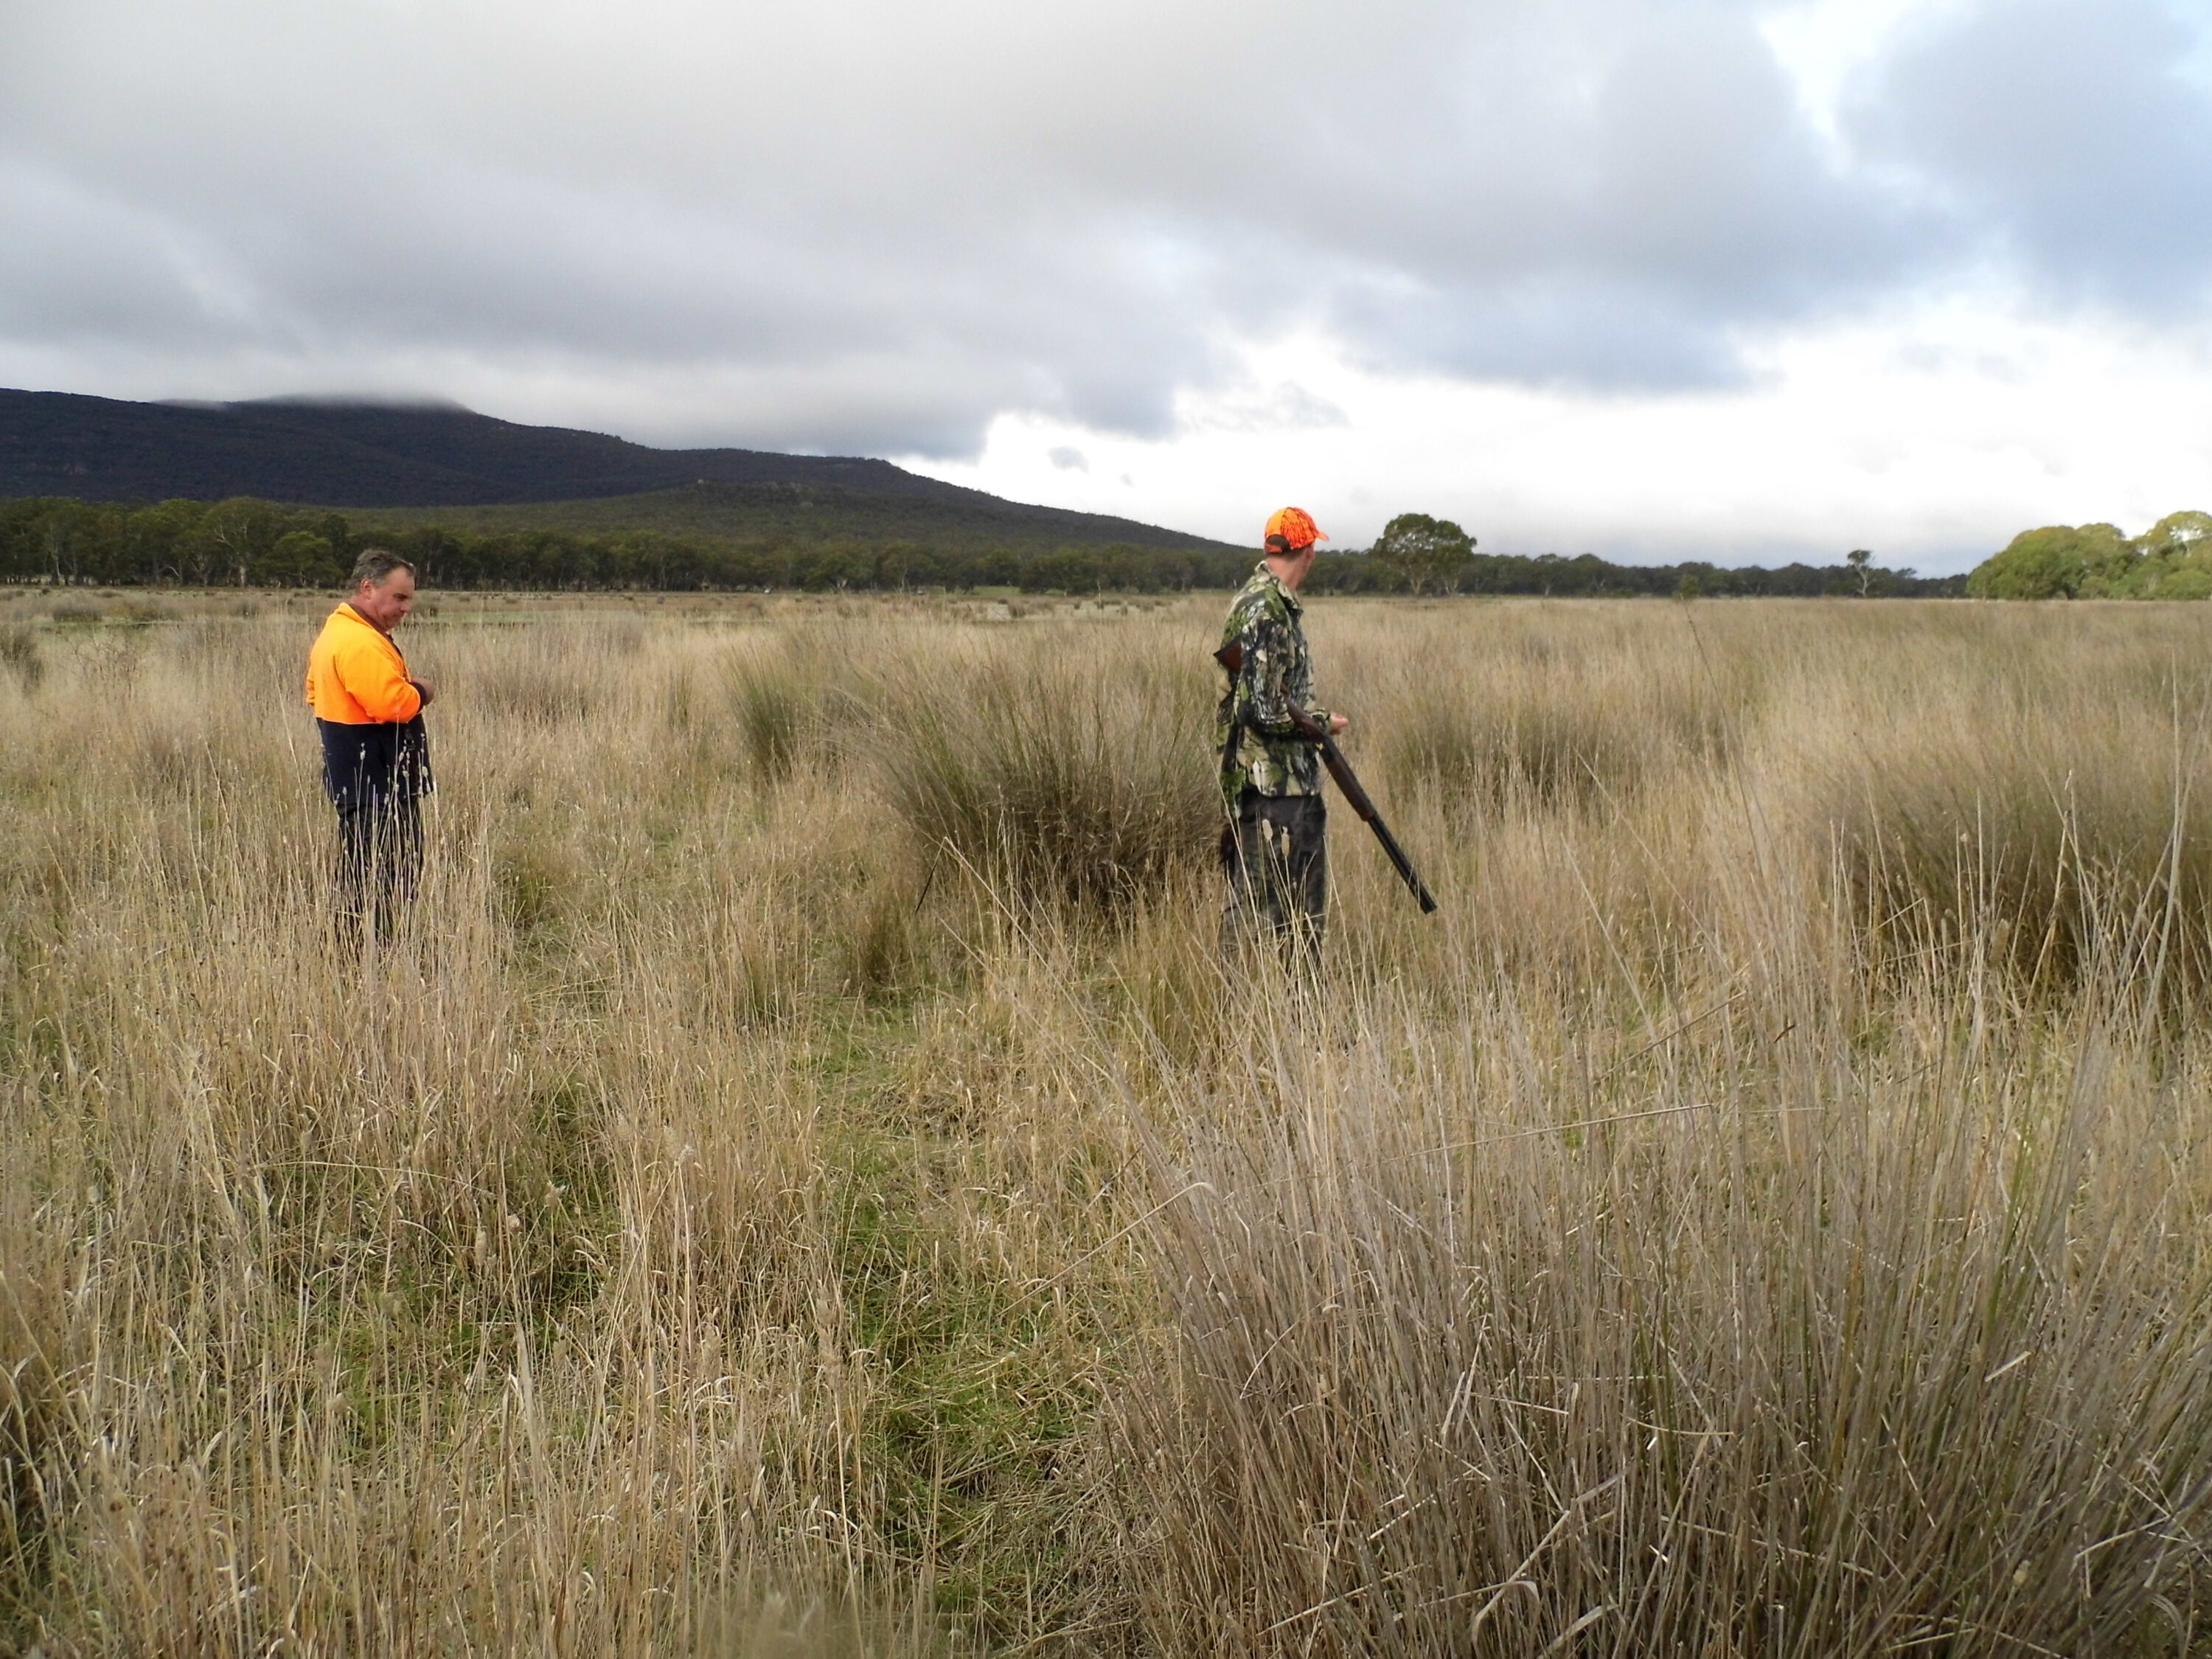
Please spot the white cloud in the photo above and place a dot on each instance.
(1823, 45)
(1931, 435)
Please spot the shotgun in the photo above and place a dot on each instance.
(1231, 657)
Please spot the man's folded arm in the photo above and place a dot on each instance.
(376, 683)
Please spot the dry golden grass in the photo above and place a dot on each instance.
(802, 1183)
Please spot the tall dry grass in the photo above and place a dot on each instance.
(802, 1182)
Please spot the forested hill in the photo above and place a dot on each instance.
(804, 514)
(388, 456)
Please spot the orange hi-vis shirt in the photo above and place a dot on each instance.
(355, 675)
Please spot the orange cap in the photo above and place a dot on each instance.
(1294, 528)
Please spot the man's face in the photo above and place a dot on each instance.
(385, 603)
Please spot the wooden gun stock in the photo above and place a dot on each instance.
(1231, 657)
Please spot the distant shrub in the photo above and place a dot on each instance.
(2050, 564)
(2194, 582)
(2177, 535)
(2169, 561)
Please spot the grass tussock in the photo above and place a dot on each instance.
(2070, 830)
(20, 656)
(1050, 778)
(1848, 1360)
(802, 1180)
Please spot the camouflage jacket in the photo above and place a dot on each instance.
(1268, 756)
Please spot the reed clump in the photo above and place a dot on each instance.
(777, 711)
(1047, 778)
(1855, 1358)
(2067, 820)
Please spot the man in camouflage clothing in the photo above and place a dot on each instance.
(1270, 776)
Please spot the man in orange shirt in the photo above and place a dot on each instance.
(376, 757)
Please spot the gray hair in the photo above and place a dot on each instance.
(375, 565)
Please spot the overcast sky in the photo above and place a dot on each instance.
(1652, 278)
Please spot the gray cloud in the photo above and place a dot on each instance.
(861, 225)
(2067, 136)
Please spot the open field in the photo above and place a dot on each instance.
(805, 1183)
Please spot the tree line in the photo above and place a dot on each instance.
(247, 543)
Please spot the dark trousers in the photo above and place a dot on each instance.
(379, 861)
(1277, 875)
(376, 775)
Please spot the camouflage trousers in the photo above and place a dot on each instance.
(1278, 863)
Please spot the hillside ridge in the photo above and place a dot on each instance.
(373, 456)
